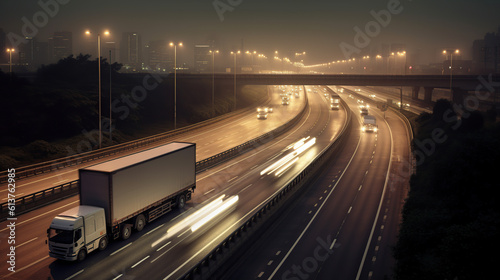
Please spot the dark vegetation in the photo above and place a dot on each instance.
(50, 115)
(451, 219)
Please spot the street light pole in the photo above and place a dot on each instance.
(213, 82)
(99, 72)
(110, 91)
(451, 65)
(234, 53)
(99, 66)
(10, 51)
(175, 81)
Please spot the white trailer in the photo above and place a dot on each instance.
(369, 124)
(127, 193)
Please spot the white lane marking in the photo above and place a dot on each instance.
(118, 276)
(74, 275)
(154, 229)
(119, 250)
(317, 212)
(163, 246)
(26, 242)
(232, 179)
(379, 206)
(137, 263)
(209, 191)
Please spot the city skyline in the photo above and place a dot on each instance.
(323, 29)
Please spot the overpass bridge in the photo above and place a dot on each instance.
(460, 84)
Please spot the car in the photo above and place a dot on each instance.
(285, 102)
(357, 89)
(262, 109)
(262, 115)
(269, 109)
(372, 95)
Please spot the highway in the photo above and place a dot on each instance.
(342, 227)
(172, 257)
(229, 132)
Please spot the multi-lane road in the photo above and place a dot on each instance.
(343, 225)
(353, 207)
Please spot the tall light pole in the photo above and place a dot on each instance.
(234, 53)
(110, 121)
(99, 70)
(451, 52)
(175, 80)
(213, 81)
(10, 51)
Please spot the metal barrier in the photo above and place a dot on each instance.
(228, 248)
(39, 199)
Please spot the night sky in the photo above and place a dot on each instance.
(317, 27)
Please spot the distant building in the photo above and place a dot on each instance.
(131, 51)
(26, 54)
(486, 53)
(60, 45)
(3, 47)
(159, 57)
(41, 54)
(202, 58)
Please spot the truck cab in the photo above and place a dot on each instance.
(76, 232)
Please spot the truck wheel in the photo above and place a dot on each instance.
(82, 254)
(126, 231)
(103, 243)
(140, 222)
(181, 201)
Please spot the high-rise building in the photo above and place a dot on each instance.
(486, 53)
(26, 53)
(131, 50)
(41, 54)
(60, 45)
(3, 47)
(159, 56)
(202, 58)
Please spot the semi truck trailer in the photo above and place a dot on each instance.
(122, 195)
(369, 124)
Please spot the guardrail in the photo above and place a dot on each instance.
(60, 163)
(39, 199)
(212, 266)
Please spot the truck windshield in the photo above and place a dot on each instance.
(61, 236)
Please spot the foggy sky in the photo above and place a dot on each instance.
(317, 27)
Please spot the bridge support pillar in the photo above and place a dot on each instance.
(414, 92)
(428, 94)
(457, 95)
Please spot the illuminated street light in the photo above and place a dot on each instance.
(10, 51)
(234, 53)
(175, 81)
(88, 33)
(451, 52)
(213, 80)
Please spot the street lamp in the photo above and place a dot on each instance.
(234, 53)
(10, 51)
(451, 52)
(175, 81)
(88, 33)
(213, 81)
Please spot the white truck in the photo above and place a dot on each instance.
(121, 195)
(334, 101)
(369, 124)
